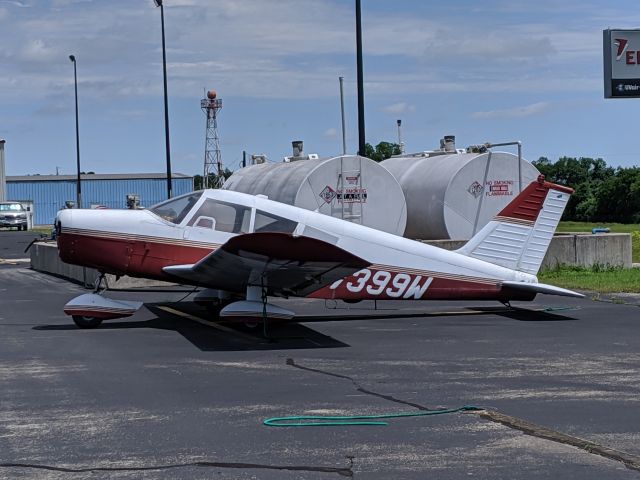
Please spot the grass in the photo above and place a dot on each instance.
(597, 278)
(566, 227)
(632, 228)
(42, 230)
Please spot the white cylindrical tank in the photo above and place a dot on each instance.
(350, 187)
(455, 195)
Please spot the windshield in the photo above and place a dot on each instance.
(10, 207)
(176, 209)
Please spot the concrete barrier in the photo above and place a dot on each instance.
(604, 249)
(562, 251)
(580, 249)
(585, 250)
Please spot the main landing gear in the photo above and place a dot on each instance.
(255, 308)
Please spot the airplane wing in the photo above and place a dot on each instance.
(541, 288)
(288, 265)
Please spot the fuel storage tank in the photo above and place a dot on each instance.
(349, 187)
(452, 194)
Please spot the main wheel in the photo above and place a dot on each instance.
(86, 322)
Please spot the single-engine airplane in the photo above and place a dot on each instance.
(244, 249)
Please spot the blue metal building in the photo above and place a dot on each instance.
(50, 192)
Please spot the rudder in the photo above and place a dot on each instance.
(519, 236)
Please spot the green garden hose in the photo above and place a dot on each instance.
(340, 421)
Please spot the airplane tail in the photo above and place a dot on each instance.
(519, 236)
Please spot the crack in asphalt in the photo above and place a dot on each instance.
(630, 461)
(342, 471)
(359, 388)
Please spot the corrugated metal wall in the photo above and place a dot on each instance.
(50, 196)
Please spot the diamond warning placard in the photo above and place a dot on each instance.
(328, 194)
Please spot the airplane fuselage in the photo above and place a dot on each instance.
(140, 243)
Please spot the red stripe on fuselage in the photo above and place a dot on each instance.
(126, 256)
(146, 259)
(372, 284)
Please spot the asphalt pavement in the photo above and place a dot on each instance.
(169, 393)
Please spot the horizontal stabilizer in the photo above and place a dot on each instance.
(541, 288)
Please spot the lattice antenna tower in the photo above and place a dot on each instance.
(213, 176)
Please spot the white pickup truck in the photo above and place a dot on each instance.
(13, 214)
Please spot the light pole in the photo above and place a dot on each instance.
(75, 80)
(344, 135)
(360, 81)
(158, 3)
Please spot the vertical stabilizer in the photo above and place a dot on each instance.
(519, 236)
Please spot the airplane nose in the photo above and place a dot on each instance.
(64, 214)
(63, 218)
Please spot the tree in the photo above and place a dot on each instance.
(618, 198)
(586, 176)
(382, 151)
(197, 179)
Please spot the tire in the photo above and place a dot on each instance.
(252, 324)
(86, 322)
(213, 308)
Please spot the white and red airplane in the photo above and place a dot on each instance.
(245, 248)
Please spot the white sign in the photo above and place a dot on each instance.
(621, 63)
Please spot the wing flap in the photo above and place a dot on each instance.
(286, 264)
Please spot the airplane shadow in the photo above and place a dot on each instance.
(514, 313)
(530, 315)
(229, 336)
(218, 336)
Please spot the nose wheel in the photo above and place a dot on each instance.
(86, 321)
(83, 321)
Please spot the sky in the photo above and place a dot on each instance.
(490, 70)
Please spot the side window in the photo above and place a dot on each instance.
(223, 217)
(267, 222)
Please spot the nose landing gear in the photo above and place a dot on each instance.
(90, 309)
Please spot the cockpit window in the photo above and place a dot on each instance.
(222, 216)
(176, 209)
(267, 222)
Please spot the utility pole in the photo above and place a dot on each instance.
(344, 135)
(361, 136)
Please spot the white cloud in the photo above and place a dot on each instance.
(516, 112)
(16, 3)
(37, 51)
(331, 133)
(399, 108)
(284, 49)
